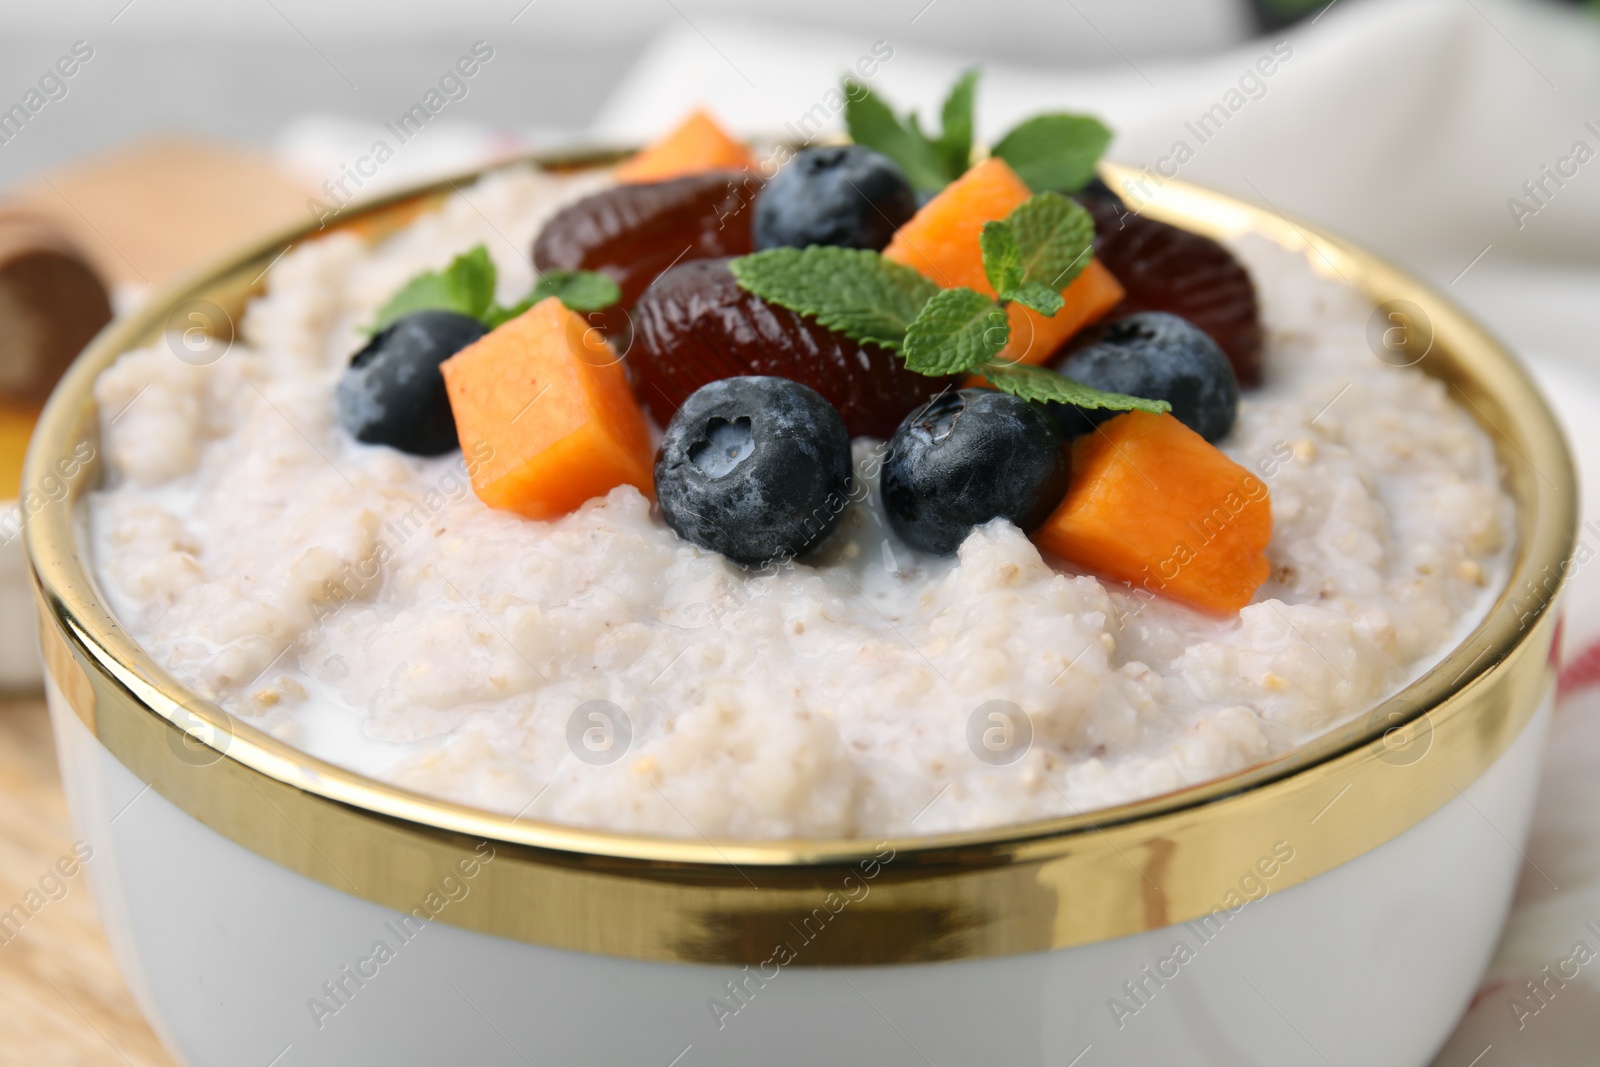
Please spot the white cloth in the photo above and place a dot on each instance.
(1407, 125)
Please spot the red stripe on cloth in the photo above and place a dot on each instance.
(1580, 671)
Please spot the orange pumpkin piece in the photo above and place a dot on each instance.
(940, 242)
(697, 144)
(545, 416)
(1153, 504)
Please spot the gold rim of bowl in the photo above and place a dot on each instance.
(1021, 888)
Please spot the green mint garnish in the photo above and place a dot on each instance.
(579, 290)
(852, 290)
(1055, 151)
(1055, 239)
(1002, 257)
(930, 162)
(1046, 386)
(1039, 298)
(955, 125)
(958, 331)
(466, 287)
(872, 123)
(1002, 263)
(937, 331)
(1028, 257)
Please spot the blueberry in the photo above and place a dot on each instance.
(1161, 357)
(967, 457)
(393, 393)
(844, 195)
(756, 468)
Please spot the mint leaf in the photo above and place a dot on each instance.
(1055, 151)
(1008, 276)
(958, 331)
(1046, 386)
(853, 290)
(1055, 239)
(872, 123)
(579, 290)
(955, 125)
(1002, 259)
(1041, 298)
(466, 286)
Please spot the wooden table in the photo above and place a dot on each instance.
(62, 1001)
(143, 214)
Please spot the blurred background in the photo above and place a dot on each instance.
(141, 138)
(1407, 124)
(250, 70)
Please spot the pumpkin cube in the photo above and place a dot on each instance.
(546, 415)
(1153, 504)
(696, 145)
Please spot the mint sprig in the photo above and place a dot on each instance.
(852, 290)
(1046, 386)
(1055, 151)
(466, 287)
(873, 123)
(930, 162)
(1027, 257)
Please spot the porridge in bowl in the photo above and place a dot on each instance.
(978, 606)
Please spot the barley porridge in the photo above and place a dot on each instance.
(364, 605)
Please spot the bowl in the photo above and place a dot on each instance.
(19, 655)
(1334, 904)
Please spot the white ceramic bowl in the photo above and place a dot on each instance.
(19, 645)
(1335, 905)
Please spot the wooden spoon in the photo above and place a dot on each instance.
(51, 303)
